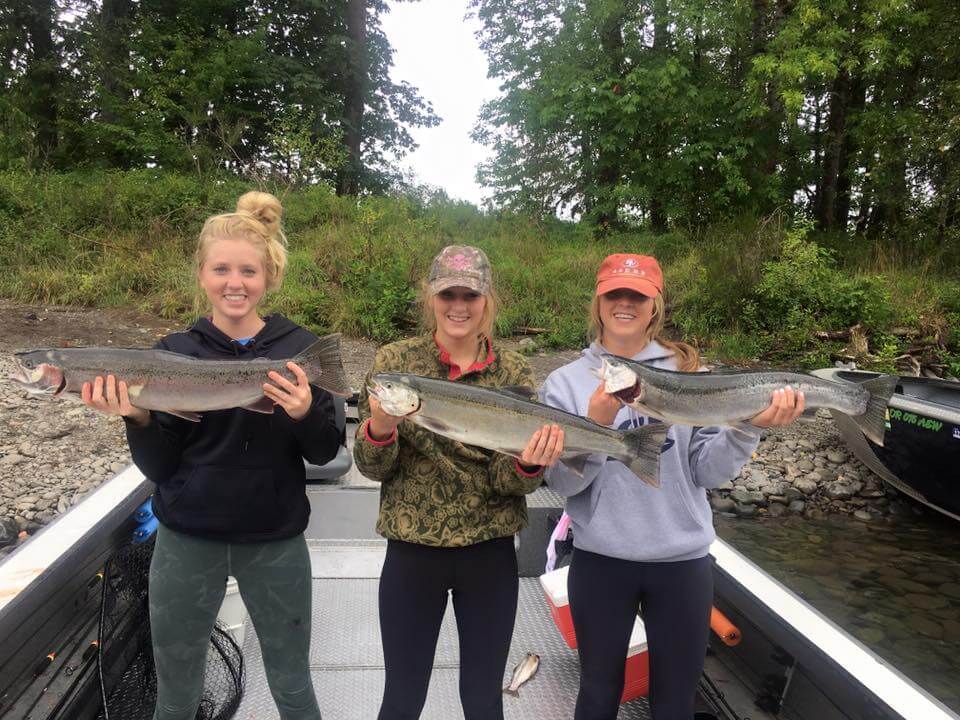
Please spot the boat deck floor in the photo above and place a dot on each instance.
(346, 659)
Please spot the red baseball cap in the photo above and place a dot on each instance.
(634, 272)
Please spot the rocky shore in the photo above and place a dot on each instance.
(806, 469)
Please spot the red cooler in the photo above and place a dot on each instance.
(636, 681)
(554, 586)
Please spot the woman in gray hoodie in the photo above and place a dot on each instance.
(633, 544)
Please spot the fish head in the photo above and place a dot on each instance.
(395, 394)
(39, 372)
(620, 381)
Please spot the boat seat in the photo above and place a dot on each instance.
(341, 464)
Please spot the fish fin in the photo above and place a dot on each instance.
(185, 414)
(133, 391)
(872, 422)
(576, 463)
(746, 433)
(324, 365)
(521, 391)
(263, 405)
(509, 691)
(643, 455)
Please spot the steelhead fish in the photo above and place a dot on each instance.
(504, 419)
(178, 384)
(524, 670)
(704, 399)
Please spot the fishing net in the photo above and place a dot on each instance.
(128, 683)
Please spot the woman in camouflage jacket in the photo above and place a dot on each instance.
(448, 510)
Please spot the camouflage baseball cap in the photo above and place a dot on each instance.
(460, 266)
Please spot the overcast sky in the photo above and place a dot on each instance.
(436, 52)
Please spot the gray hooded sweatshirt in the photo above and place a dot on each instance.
(615, 513)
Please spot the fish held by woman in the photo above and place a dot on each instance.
(501, 419)
(177, 384)
(706, 399)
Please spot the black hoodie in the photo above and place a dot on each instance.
(237, 475)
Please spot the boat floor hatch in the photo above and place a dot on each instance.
(347, 660)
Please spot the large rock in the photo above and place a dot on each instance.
(776, 509)
(747, 497)
(837, 457)
(841, 489)
(805, 485)
(722, 504)
(792, 493)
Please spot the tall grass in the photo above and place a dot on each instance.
(744, 289)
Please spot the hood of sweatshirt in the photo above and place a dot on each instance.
(217, 342)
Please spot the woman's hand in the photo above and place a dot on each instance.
(603, 407)
(108, 396)
(544, 448)
(294, 397)
(381, 424)
(785, 407)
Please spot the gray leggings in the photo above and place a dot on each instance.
(188, 577)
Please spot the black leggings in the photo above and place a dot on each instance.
(413, 597)
(605, 593)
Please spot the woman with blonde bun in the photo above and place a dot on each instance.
(230, 489)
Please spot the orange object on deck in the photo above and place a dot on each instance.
(726, 630)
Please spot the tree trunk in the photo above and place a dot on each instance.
(348, 178)
(766, 23)
(609, 171)
(114, 17)
(831, 170)
(41, 77)
(661, 47)
(848, 151)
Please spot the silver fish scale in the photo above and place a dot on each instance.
(161, 363)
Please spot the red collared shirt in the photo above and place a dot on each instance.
(455, 371)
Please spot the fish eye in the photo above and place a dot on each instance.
(29, 364)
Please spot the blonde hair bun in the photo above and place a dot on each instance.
(267, 209)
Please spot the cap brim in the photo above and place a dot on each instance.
(470, 283)
(639, 284)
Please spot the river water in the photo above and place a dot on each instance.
(893, 586)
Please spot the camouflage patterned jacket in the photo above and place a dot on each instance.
(436, 491)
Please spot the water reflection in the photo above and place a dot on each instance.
(896, 587)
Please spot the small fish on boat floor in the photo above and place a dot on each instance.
(522, 673)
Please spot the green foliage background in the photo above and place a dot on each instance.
(744, 291)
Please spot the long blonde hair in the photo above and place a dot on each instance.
(688, 358)
(258, 220)
(487, 323)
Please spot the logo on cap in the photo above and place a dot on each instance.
(460, 262)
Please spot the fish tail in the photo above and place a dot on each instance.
(873, 422)
(643, 451)
(324, 365)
